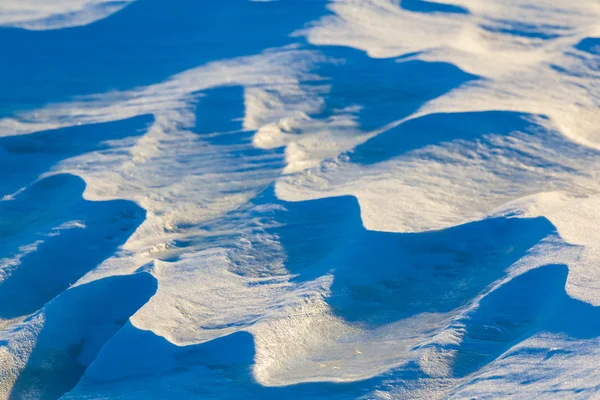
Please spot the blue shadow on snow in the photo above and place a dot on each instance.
(77, 325)
(63, 254)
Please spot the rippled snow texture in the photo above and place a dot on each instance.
(299, 199)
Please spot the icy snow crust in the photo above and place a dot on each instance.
(299, 199)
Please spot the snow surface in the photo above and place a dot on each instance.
(379, 199)
(44, 14)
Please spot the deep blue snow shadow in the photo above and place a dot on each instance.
(590, 45)
(386, 89)
(144, 43)
(140, 363)
(64, 253)
(435, 129)
(219, 122)
(431, 7)
(77, 324)
(29, 156)
(533, 302)
(436, 271)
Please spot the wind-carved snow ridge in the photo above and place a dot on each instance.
(256, 199)
(530, 54)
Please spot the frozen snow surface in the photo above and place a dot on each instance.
(377, 199)
(49, 14)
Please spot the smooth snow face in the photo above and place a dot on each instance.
(283, 199)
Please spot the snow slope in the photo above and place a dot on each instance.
(282, 199)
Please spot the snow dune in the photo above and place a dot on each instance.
(316, 199)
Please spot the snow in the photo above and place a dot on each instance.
(44, 15)
(318, 199)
